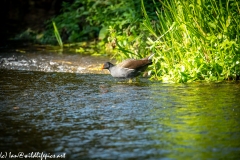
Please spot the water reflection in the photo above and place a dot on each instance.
(204, 120)
(91, 116)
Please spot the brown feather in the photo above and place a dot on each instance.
(135, 64)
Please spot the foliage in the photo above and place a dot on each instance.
(195, 40)
(57, 35)
(192, 39)
(130, 42)
(85, 20)
(115, 24)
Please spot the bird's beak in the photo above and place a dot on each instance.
(102, 67)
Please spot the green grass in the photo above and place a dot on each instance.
(195, 40)
(57, 35)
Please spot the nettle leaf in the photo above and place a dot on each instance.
(103, 33)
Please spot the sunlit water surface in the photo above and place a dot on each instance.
(92, 116)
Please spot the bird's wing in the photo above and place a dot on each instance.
(133, 64)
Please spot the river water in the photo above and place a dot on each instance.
(62, 105)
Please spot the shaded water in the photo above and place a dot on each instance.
(91, 116)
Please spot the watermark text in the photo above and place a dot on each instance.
(39, 155)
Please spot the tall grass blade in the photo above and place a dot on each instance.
(57, 35)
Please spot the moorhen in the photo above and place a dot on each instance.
(129, 68)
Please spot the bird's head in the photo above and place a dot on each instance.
(107, 65)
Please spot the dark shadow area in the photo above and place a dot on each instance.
(20, 15)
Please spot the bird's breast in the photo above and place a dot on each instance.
(120, 72)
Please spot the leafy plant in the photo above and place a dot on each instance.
(85, 20)
(195, 40)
